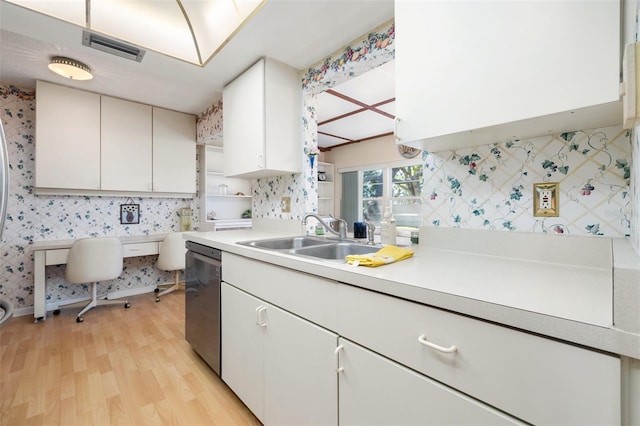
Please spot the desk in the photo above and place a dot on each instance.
(55, 252)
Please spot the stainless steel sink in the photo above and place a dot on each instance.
(335, 251)
(286, 243)
(316, 247)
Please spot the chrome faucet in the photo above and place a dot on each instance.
(371, 227)
(342, 226)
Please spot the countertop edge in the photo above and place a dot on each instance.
(607, 339)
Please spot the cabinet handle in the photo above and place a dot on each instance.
(260, 310)
(337, 353)
(423, 340)
(395, 128)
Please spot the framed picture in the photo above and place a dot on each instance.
(129, 214)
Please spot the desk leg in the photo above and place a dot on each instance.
(39, 287)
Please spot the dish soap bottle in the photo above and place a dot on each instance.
(388, 228)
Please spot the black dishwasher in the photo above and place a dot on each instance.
(202, 302)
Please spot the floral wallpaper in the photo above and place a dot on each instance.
(364, 54)
(209, 125)
(36, 218)
(487, 187)
(491, 186)
(635, 190)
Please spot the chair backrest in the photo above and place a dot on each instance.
(94, 259)
(172, 252)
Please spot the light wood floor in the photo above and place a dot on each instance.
(119, 367)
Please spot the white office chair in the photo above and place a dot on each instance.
(91, 260)
(171, 258)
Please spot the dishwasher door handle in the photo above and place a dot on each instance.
(260, 311)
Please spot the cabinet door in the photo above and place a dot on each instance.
(300, 371)
(377, 391)
(126, 145)
(67, 138)
(466, 65)
(244, 122)
(174, 152)
(242, 347)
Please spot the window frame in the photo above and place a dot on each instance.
(387, 186)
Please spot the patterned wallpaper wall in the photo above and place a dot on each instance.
(487, 187)
(491, 186)
(364, 54)
(36, 218)
(635, 190)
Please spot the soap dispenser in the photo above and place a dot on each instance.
(388, 228)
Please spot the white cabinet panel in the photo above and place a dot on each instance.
(242, 348)
(309, 296)
(129, 148)
(300, 364)
(470, 73)
(262, 121)
(174, 151)
(281, 366)
(377, 391)
(67, 156)
(126, 144)
(556, 383)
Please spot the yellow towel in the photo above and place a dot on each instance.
(384, 256)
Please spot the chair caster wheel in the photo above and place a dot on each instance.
(127, 305)
(157, 299)
(79, 319)
(56, 312)
(157, 290)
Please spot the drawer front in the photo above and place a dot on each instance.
(377, 391)
(308, 296)
(139, 249)
(56, 257)
(536, 379)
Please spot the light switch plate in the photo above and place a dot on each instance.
(546, 202)
(285, 204)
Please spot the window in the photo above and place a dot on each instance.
(400, 187)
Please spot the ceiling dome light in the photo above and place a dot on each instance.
(70, 68)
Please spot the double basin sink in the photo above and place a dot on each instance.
(331, 249)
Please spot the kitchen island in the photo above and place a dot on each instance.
(550, 300)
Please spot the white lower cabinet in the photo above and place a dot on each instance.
(536, 379)
(377, 391)
(301, 349)
(280, 365)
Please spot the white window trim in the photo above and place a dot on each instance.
(386, 182)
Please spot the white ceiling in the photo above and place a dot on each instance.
(354, 111)
(297, 32)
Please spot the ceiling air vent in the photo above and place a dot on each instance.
(112, 46)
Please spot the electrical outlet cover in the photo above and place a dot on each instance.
(546, 202)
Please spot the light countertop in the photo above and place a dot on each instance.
(554, 286)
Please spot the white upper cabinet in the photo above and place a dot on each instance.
(471, 73)
(67, 156)
(174, 152)
(126, 142)
(262, 121)
(91, 144)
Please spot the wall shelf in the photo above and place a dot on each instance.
(221, 211)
